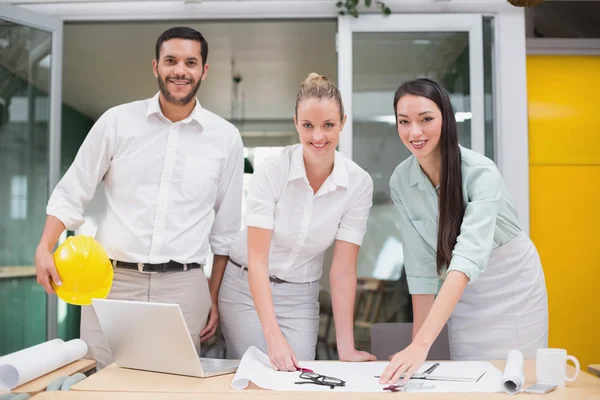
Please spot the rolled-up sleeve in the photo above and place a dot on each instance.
(353, 224)
(419, 258)
(77, 187)
(262, 194)
(228, 206)
(474, 244)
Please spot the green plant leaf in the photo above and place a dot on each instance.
(350, 7)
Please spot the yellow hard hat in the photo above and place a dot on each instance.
(85, 270)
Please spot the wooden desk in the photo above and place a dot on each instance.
(559, 394)
(594, 369)
(139, 385)
(40, 384)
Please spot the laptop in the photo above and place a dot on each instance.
(154, 337)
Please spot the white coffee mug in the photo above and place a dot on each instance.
(551, 367)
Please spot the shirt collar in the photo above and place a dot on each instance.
(154, 109)
(339, 175)
(418, 177)
(415, 171)
(297, 169)
(340, 170)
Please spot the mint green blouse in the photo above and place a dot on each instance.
(490, 219)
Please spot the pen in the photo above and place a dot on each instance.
(427, 372)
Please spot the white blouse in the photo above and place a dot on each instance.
(304, 224)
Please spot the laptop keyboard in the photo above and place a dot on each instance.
(216, 364)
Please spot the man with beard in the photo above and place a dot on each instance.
(172, 174)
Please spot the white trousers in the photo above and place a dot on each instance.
(296, 307)
(188, 288)
(505, 309)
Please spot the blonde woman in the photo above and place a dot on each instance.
(300, 202)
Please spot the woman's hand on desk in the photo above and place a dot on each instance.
(281, 354)
(408, 360)
(211, 327)
(357, 356)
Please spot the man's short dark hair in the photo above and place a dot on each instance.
(182, 32)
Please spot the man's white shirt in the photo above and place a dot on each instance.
(172, 189)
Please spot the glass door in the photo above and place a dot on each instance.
(375, 55)
(30, 106)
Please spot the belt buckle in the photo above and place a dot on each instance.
(141, 269)
(164, 267)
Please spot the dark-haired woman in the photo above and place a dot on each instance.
(467, 261)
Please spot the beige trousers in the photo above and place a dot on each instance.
(189, 289)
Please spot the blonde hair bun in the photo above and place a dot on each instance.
(317, 86)
(313, 76)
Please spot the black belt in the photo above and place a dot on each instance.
(273, 279)
(164, 267)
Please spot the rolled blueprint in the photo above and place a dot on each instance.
(513, 378)
(26, 365)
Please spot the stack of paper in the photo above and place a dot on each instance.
(462, 376)
(467, 372)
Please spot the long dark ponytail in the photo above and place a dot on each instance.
(452, 207)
